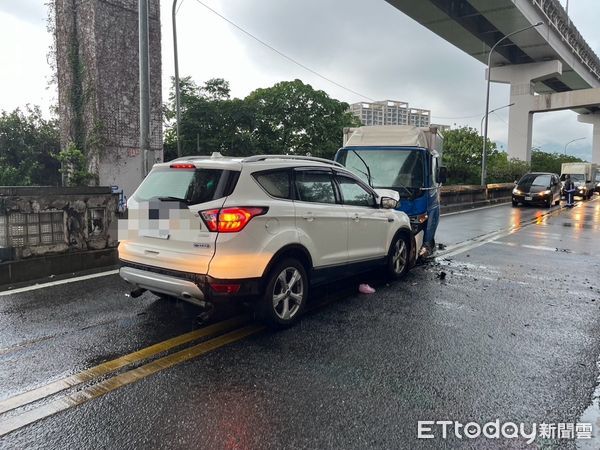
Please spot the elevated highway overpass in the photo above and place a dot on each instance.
(550, 59)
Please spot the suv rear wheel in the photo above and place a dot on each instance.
(398, 257)
(285, 294)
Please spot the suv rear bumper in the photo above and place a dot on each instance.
(184, 285)
(163, 284)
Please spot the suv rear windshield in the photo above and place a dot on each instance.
(191, 186)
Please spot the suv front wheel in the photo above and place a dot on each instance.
(285, 294)
(398, 257)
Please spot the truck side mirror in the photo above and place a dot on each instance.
(442, 176)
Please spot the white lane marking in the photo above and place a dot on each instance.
(56, 283)
(494, 236)
(476, 244)
(474, 209)
(533, 247)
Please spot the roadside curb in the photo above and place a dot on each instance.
(29, 269)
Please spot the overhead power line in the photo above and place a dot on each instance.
(280, 53)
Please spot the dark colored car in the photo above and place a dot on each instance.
(537, 188)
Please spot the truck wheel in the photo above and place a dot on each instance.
(398, 257)
(285, 295)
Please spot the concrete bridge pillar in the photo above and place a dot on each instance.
(593, 119)
(98, 86)
(520, 119)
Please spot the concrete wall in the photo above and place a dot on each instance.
(37, 221)
(98, 85)
(459, 198)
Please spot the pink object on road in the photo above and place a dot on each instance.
(365, 289)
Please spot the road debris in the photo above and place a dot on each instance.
(364, 288)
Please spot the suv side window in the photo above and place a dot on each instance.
(354, 194)
(315, 186)
(276, 183)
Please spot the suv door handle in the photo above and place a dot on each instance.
(356, 217)
(308, 217)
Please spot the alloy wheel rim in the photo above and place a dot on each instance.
(288, 293)
(400, 256)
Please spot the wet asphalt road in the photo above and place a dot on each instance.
(511, 332)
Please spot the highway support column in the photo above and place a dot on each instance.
(520, 119)
(593, 119)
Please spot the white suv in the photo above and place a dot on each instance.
(210, 228)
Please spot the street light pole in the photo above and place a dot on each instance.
(177, 93)
(570, 142)
(492, 111)
(487, 99)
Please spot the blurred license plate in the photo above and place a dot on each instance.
(527, 198)
(157, 234)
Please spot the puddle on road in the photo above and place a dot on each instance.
(592, 415)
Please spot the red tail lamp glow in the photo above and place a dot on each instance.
(225, 288)
(182, 166)
(230, 220)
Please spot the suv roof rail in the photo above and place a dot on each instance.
(256, 158)
(214, 155)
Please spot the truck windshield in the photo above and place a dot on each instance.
(390, 168)
(574, 177)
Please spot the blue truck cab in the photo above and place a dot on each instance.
(405, 159)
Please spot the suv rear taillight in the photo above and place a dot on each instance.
(230, 220)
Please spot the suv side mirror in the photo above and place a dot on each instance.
(388, 203)
(442, 174)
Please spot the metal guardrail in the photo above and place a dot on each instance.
(559, 20)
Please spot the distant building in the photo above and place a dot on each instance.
(389, 112)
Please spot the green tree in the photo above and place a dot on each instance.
(502, 169)
(550, 162)
(27, 144)
(292, 117)
(74, 166)
(462, 155)
(216, 89)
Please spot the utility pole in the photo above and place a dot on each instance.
(144, 69)
(177, 87)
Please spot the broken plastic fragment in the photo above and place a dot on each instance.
(365, 289)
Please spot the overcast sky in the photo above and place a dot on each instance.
(365, 45)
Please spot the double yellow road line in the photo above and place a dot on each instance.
(219, 335)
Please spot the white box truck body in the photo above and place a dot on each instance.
(582, 174)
